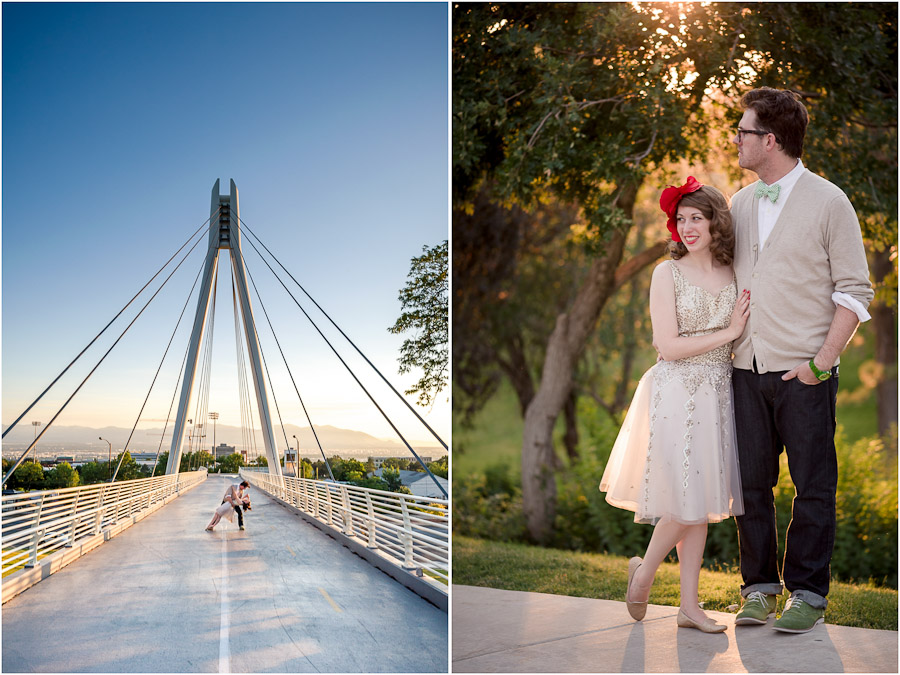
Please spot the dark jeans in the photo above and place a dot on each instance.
(773, 415)
(239, 512)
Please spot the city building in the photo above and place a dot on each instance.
(379, 461)
(420, 483)
(144, 458)
(223, 450)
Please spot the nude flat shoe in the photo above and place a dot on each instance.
(708, 626)
(637, 610)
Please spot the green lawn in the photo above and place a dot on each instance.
(495, 437)
(519, 567)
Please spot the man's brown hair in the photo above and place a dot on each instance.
(782, 113)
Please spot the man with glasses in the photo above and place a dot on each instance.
(799, 251)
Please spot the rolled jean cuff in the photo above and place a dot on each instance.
(810, 598)
(768, 589)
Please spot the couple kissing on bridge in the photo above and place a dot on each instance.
(235, 501)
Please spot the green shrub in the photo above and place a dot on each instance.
(865, 544)
(488, 505)
(489, 509)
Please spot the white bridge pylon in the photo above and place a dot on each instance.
(224, 233)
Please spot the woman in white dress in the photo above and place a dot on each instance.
(674, 462)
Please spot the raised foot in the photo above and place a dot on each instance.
(637, 610)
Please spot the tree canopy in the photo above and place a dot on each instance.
(424, 304)
(571, 106)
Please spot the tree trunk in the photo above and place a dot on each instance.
(516, 369)
(885, 328)
(571, 437)
(563, 349)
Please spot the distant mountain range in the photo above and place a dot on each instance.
(333, 439)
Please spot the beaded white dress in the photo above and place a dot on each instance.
(676, 454)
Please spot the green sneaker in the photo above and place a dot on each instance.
(757, 608)
(798, 616)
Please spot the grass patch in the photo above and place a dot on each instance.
(519, 567)
(8, 555)
(494, 438)
(434, 575)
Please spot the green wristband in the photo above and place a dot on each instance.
(821, 376)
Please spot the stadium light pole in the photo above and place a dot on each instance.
(214, 416)
(34, 446)
(109, 460)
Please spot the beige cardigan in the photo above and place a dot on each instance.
(814, 250)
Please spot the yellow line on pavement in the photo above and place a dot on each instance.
(290, 551)
(330, 601)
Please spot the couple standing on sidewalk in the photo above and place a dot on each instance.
(703, 435)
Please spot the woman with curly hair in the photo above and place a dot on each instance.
(674, 462)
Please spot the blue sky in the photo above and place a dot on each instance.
(117, 120)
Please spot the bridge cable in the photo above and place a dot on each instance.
(284, 358)
(205, 413)
(248, 433)
(19, 418)
(174, 393)
(165, 353)
(202, 400)
(103, 358)
(371, 398)
(400, 396)
(171, 405)
(239, 367)
(269, 376)
(178, 380)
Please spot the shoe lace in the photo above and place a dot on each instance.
(758, 596)
(792, 602)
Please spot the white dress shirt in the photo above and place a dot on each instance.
(768, 216)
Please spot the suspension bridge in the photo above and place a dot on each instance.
(122, 576)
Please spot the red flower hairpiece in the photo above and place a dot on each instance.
(669, 199)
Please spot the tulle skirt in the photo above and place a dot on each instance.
(226, 510)
(676, 454)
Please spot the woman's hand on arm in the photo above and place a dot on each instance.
(739, 316)
(668, 343)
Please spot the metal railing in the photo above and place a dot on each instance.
(40, 523)
(410, 529)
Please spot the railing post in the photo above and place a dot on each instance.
(101, 507)
(328, 505)
(348, 515)
(407, 537)
(40, 509)
(32, 557)
(75, 521)
(38, 533)
(370, 510)
(116, 507)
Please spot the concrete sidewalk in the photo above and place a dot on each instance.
(498, 631)
(165, 596)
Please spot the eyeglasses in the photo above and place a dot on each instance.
(738, 132)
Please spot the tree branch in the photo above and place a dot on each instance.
(627, 270)
(578, 106)
(637, 158)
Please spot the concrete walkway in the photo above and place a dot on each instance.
(166, 596)
(498, 631)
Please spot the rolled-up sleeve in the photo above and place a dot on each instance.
(847, 255)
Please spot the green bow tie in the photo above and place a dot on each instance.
(770, 191)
